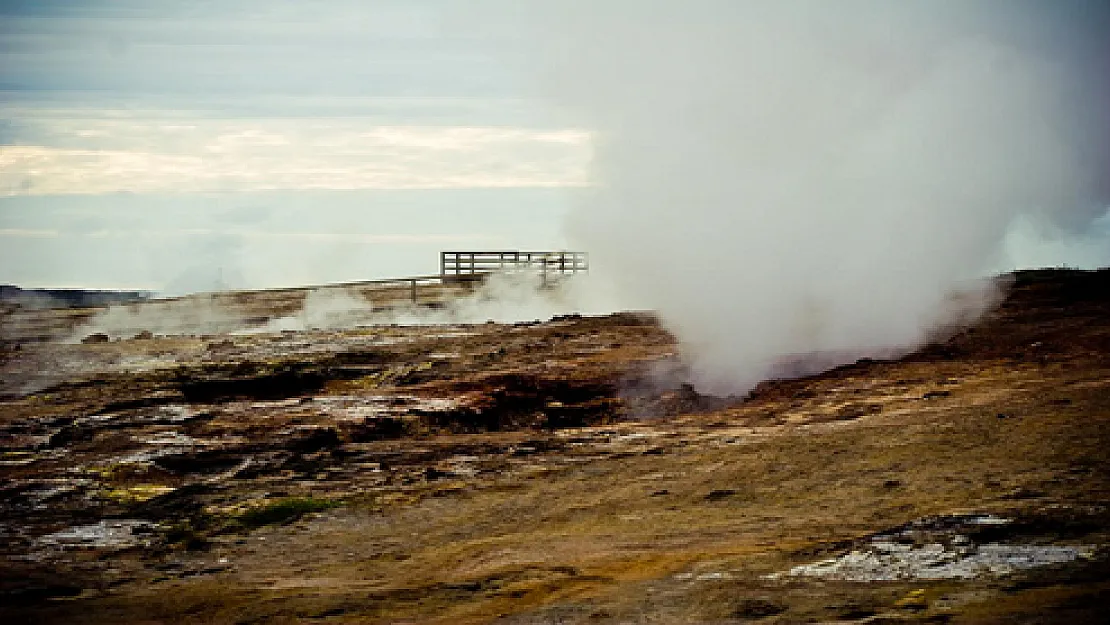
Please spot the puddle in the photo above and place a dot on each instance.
(113, 534)
(20, 458)
(355, 408)
(40, 493)
(176, 413)
(702, 577)
(892, 561)
(147, 364)
(433, 404)
(170, 438)
(360, 408)
(937, 548)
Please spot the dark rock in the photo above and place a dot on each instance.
(204, 461)
(309, 440)
(377, 429)
(855, 411)
(70, 434)
(757, 609)
(179, 503)
(263, 380)
(432, 473)
(1023, 493)
(717, 495)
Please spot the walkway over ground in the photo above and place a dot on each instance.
(460, 273)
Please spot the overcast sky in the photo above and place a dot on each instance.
(170, 146)
(178, 146)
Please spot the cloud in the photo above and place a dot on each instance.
(205, 233)
(28, 233)
(330, 141)
(99, 156)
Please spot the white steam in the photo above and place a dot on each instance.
(506, 297)
(201, 314)
(1034, 241)
(805, 177)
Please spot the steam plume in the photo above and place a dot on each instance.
(804, 177)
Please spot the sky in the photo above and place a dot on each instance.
(250, 143)
(186, 146)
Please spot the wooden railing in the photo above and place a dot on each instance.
(465, 265)
(457, 269)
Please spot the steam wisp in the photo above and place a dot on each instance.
(817, 180)
(506, 297)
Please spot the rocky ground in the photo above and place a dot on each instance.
(558, 472)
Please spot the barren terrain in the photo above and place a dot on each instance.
(556, 472)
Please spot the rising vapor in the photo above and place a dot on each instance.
(786, 179)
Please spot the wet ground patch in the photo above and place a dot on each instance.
(956, 547)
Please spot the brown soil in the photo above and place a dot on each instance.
(548, 473)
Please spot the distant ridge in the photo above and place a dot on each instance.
(67, 298)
